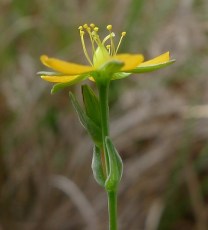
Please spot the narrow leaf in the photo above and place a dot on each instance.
(115, 166)
(97, 167)
(91, 104)
(81, 114)
(94, 130)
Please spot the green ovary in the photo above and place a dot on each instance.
(100, 57)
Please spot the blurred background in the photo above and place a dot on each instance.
(159, 120)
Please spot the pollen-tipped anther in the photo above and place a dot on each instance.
(123, 34)
(109, 27)
(82, 32)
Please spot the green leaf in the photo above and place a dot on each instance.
(91, 103)
(60, 86)
(94, 130)
(97, 168)
(115, 166)
(81, 114)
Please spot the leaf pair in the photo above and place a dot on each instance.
(90, 118)
(112, 180)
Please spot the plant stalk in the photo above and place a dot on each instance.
(112, 209)
(104, 110)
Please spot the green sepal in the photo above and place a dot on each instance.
(150, 68)
(120, 75)
(140, 69)
(91, 104)
(106, 71)
(94, 130)
(60, 86)
(47, 73)
(112, 66)
(115, 166)
(97, 168)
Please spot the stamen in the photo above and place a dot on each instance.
(84, 47)
(88, 29)
(108, 47)
(122, 35)
(107, 37)
(109, 28)
(96, 37)
(91, 38)
(92, 31)
(82, 32)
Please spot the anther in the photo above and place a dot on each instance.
(82, 32)
(85, 26)
(92, 25)
(108, 47)
(80, 27)
(96, 29)
(123, 33)
(109, 27)
(88, 29)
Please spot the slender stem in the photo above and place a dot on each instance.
(112, 196)
(104, 110)
(112, 209)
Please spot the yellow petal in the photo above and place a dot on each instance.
(130, 60)
(65, 67)
(59, 79)
(158, 60)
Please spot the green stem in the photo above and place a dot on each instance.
(112, 209)
(104, 109)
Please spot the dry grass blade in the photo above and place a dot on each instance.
(78, 198)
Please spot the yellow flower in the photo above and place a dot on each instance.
(103, 63)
